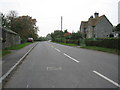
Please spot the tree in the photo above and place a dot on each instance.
(76, 36)
(8, 20)
(25, 26)
(65, 31)
(58, 35)
(48, 37)
(117, 28)
(3, 20)
(12, 15)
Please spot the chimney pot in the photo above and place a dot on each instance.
(96, 14)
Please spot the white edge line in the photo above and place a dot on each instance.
(111, 81)
(6, 74)
(71, 58)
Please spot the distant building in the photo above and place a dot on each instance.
(9, 38)
(67, 34)
(96, 27)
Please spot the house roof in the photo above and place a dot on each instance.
(94, 21)
(84, 24)
(67, 34)
(91, 22)
(8, 30)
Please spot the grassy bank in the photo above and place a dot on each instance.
(68, 44)
(4, 52)
(16, 47)
(109, 50)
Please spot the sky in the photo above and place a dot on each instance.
(119, 12)
(48, 12)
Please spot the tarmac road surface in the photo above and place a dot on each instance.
(51, 65)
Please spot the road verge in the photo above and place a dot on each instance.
(4, 77)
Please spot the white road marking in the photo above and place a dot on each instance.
(53, 86)
(53, 68)
(57, 50)
(111, 81)
(27, 86)
(52, 46)
(71, 58)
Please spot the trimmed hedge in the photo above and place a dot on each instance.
(62, 40)
(104, 42)
(72, 41)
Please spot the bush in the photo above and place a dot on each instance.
(72, 41)
(104, 42)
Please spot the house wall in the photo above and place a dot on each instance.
(82, 31)
(89, 32)
(10, 39)
(103, 28)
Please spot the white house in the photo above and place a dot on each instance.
(97, 26)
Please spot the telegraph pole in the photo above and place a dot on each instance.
(61, 22)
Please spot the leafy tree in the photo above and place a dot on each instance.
(76, 36)
(3, 20)
(57, 35)
(117, 28)
(60, 36)
(10, 18)
(25, 26)
(48, 37)
(65, 31)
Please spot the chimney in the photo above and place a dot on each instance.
(96, 14)
(91, 17)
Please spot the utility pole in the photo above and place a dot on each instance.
(61, 22)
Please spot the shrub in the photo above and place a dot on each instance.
(104, 42)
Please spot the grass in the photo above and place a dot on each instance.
(68, 44)
(4, 52)
(16, 47)
(109, 50)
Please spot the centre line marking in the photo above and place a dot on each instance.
(27, 86)
(71, 58)
(52, 46)
(111, 81)
(57, 50)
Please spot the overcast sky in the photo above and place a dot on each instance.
(48, 12)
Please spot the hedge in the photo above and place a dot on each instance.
(62, 40)
(104, 42)
(72, 41)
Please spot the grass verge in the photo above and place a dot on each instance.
(4, 52)
(109, 50)
(16, 47)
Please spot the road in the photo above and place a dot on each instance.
(51, 65)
